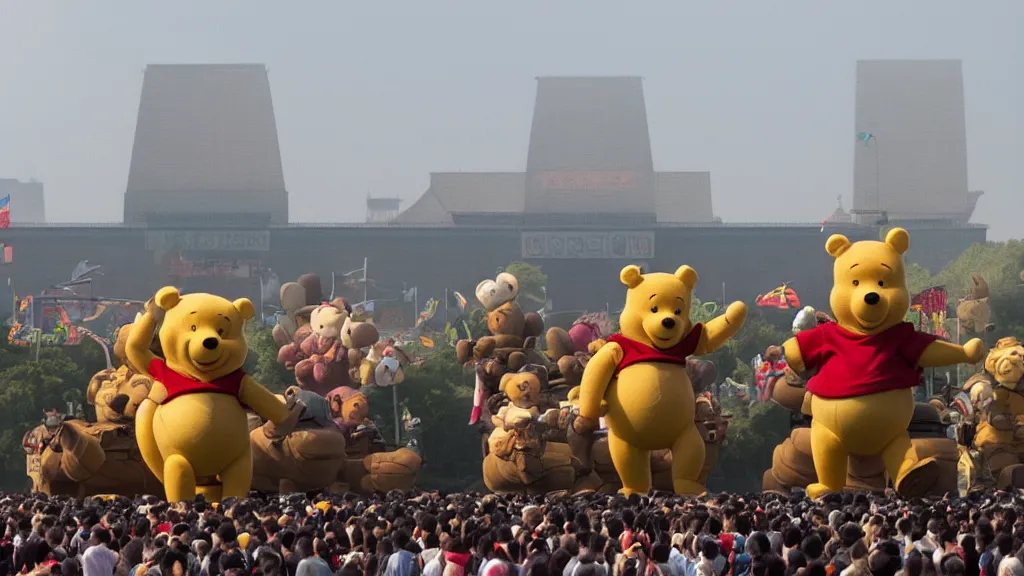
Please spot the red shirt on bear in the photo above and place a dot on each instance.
(634, 352)
(851, 364)
(178, 384)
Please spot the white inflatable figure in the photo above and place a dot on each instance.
(805, 320)
(501, 290)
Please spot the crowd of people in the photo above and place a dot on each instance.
(489, 535)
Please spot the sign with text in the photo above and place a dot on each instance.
(208, 240)
(593, 245)
(213, 268)
(604, 181)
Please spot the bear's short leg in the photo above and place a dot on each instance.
(910, 473)
(687, 462)
(830, 461)
(632, 464)
(211, 493)
(236, 478)
(179, 479)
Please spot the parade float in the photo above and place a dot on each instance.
(332, 445)
(526, 400)
(988, 415)
(66, 455)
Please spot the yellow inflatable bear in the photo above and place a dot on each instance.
(641, 375)
(192, 429)
(868, 362)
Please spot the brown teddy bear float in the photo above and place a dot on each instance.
(995, 395)
(328, 348)
(298, 300)
(326, 449)
(973, 311)
(526, 450)
(81, 458)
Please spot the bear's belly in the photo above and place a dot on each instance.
(649, 405)
(866, 424)
(209, 430)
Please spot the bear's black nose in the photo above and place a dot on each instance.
(872, 298)
(210, 343)
(668, 323)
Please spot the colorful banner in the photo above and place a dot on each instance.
(69, 320)
(5, 211)
(928, 311)
(782, 298)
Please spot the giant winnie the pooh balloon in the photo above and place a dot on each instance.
(640, 374)
(192, 428)
(861, 399)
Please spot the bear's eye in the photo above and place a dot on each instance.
(321, 326)
(220, 332)
(880, 283)
(654, 309)
(677, 311)
(856, 282)
(193, 327)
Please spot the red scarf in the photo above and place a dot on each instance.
(178, 384)
(457, 558)
(634, 352)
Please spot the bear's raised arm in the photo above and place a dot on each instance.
(138, 346)
(719, 330)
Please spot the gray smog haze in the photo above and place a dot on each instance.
(370, 97)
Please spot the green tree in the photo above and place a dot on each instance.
(440, 393)
(532, 282)
(27, 388)
(261, 363)
(919, 278)
(746, 452)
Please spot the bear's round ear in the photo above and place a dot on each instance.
(631, 276)
(245, 308)
(505, 380)
(836, 245)
(167, 297)
(687, 275)
(899, 239)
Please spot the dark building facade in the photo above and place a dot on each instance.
(589, 203)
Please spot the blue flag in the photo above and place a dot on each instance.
(865, 136)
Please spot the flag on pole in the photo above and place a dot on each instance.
(865, 137)
(410, 294)
(457, 301)
(5, 211)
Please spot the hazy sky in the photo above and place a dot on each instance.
(371, 97)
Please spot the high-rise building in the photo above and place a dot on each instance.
(911, 156)
(27, 200)
(206, 149)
